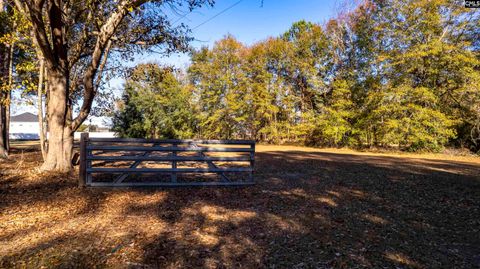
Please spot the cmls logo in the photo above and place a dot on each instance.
(472, 3)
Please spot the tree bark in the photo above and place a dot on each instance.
(3, 148)
(60, 137)
(4, 64)
(41, 126)
(9, 95)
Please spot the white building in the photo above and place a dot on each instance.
(24, 126)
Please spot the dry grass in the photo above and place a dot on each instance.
(311, 208)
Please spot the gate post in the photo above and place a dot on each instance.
(83, 160)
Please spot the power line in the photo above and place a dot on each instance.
(185, 15)
(218, 14)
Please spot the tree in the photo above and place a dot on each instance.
(389, 51)
(155, 105)
(428, 50)
(409, 117)
(75, 38)
(217, 77)
(333, 125)
(17, 69)
(259, 103)
(386, 73)
(6, 59)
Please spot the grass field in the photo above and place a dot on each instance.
(311, 208)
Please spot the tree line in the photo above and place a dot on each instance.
(400, 73)
(388, 73)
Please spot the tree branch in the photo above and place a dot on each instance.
(34, 11)
(76, 50)
(106, 33)
(57, 31)
(103, 63)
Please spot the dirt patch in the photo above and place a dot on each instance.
(311, 208)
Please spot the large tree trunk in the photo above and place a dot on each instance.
(60, 141)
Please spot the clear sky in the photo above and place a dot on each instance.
(249, 21)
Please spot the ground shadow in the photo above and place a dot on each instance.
(308, 210)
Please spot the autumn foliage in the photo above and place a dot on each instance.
(388, 73)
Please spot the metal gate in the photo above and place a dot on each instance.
(129, 162)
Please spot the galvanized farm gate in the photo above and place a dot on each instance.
(130, 153)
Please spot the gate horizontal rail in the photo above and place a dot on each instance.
(203, 149)
(93, 150)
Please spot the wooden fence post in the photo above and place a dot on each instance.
(83, 160)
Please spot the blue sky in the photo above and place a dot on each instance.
(249, 21)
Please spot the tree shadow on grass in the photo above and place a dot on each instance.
(308, 210)
(323, 210)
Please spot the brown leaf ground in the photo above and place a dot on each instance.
(310, 209)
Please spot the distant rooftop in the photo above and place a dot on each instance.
(24, 117)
